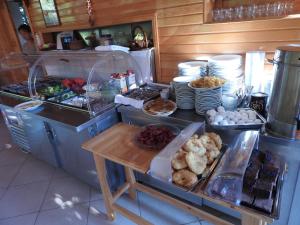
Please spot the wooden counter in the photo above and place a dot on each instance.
(117, 145)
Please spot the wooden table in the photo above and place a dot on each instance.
(116, 144)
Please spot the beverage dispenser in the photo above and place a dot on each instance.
(284, 105)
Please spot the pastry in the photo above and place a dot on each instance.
(194, 145)
(196, 163)
(211, 155)
(250, 177)
(269, 173)
(208, 143)
(216, 138)
(184, 178)
(159, 105)
(262, 189)
(264, 204)
(178, 162)
(247, 200)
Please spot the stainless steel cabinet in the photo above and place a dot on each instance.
(16, 127)
(79, 162)
(31, 134)
(40, 139)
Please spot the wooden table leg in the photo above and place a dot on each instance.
(251, 220)
(131, 179)
(107, 195)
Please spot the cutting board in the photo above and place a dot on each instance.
(117, 144)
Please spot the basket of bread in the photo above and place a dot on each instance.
(196, 159)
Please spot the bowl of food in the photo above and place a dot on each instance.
(207, 82)
(156, 136)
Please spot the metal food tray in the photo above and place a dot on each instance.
(81, 99)
(240, 127)
(277, 199)
(141, 88)
(207, 172)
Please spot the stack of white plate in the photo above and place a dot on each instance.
(192, 68)
(230, 68)
(185, 96)
(206, 99)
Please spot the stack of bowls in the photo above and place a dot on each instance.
(207, 98)
(185, 96)
(192, 68)
(228, 67)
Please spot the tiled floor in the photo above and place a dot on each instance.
(34, 193)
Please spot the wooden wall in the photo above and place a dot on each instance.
(9, 43)
(181, 32)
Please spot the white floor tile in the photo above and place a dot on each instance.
(20, 220)
(23, 199)
(64, 192)
(12, 157)
(193, 223)
(76, 215)
(2, 191)
(7, 174)
(97, 214)
(34, 170)
(95, 194)
(205, 223)
(60, 173)
(161, 213)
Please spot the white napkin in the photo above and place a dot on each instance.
(112, 48)
(120, 99)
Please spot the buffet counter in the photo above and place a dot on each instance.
(53, 132)
(288, 150)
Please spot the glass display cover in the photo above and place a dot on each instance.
(86, 80)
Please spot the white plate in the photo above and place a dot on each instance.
(160, 113)
(29, 106)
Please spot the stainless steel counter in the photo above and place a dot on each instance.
(72, 118)
(55, 133)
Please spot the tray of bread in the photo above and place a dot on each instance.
(190, 158)
(196, 159)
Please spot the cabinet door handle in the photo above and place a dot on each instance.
(50, 132)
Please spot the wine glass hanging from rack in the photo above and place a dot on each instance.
(231, 10)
